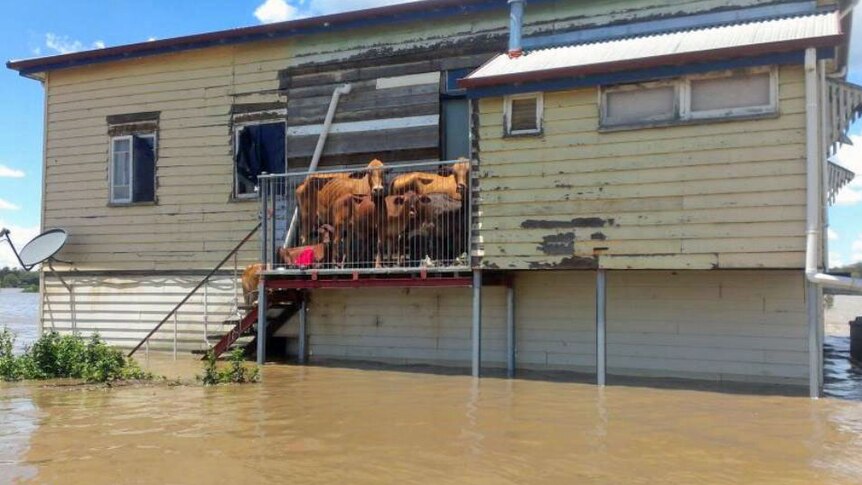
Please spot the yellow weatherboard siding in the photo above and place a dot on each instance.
(718, 194)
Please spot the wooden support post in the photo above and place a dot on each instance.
(477, 323)
(601, 327)
(510, 328)
(261, 321)
(303, 330)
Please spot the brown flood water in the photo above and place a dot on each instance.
(337, 425)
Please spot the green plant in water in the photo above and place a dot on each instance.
(235, 373)
(67, 356)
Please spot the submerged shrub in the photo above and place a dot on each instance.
(67, 356)
(235, 373)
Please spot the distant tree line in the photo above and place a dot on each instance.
(16, 278)
(854, 270)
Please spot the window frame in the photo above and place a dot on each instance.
(683, 114)
(507, 114)
(237, 127)
(112, 199)
(687, 113)
(675, 108)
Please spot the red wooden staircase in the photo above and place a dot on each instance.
(288, 302)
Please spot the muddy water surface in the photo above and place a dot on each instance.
(331, 425)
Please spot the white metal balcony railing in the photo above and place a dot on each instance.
(376, 219)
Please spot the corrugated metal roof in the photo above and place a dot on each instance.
(752, 38)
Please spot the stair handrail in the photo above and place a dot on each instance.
(195, 289)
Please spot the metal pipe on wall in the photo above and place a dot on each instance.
(477, 323)
(510, 329)
(601, 327)
(303, 331)
(516, 24)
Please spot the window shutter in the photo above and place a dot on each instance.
(524, 114)
(144, 166)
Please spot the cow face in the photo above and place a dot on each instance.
(376, 177)
(461, 171)
(402, 206)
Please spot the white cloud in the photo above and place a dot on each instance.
(850, 157)
(833, 235)
(20, 236)
(8, 172)
(62, 44)
(8, 206)
(281, 10)
(272, 11)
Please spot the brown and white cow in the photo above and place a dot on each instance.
(354, 220)
(400, 217)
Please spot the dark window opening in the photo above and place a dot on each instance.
(259, 149)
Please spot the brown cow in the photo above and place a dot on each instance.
(306, 198)
(453, 181)
(314, 189)
(250, 282)
(354, 221)
(400, 216)
(367, 182)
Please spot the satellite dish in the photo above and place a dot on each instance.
(41, 248)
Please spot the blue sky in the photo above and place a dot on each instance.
(46, 27)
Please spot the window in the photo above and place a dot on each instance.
(640, 103)
(523, 114)
(723, 95)
(133, 168)
(259, 148)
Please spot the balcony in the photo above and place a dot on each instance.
(382, 219)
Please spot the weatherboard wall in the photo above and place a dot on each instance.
(195, 222)
(722, 194)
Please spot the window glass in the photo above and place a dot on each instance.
(259, 149)
(741, 91)
(121, 170)
(523, 113)
(640, 105)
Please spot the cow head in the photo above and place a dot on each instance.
(402, 206)
(461, 170)
(376, 177)
(325, 232)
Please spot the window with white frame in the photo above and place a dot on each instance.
(523, 114)
(132, 171)
(259, 148)
(719, 95)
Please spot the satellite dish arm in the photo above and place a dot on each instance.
(5, 233)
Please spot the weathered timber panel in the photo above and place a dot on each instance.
(712, 195)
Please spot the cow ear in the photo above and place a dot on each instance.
(444, 170)
(425, 179)
(357, 174)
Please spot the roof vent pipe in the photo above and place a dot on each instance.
(516, 22)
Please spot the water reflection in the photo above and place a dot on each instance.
(342, 425)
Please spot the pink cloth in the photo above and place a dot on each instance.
(305, 258)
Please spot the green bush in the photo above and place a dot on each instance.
(235, 373)
(67, 356)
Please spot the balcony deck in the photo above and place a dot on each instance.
(381, 222)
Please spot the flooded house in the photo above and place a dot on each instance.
(629, 188)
